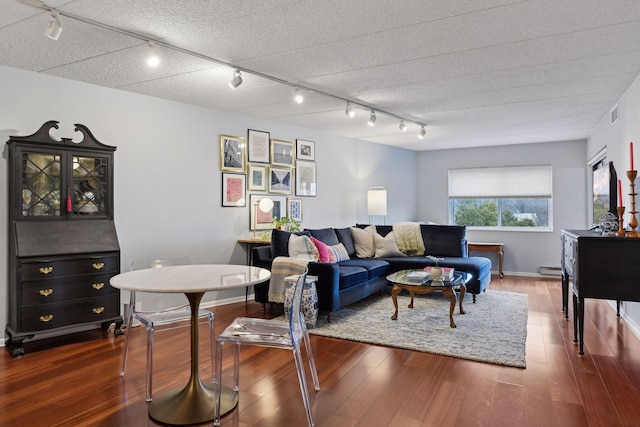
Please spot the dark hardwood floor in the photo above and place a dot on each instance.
(76, 383)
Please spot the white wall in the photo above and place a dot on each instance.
(525, 251)
(167, 177)
(616, 139)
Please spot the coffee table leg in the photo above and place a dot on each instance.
(452, 298)
(463, 290)
(410, 302)
(394, 296)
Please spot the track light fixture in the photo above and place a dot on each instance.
(237, 79)
(350, 112)
(297, 96)
(402, 126)
(152, 58)
(423, 132)
(372, 118)
(54, 28)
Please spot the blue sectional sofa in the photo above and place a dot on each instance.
(345, 282)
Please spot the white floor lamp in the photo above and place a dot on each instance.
(377, 202)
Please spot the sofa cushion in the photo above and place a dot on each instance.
(325, 235)
(302, 247)
(375, 267)
(444, 240)
(386, 246)
(280, 242)
(363, 240)
(324, 254)
(338, 253)
(345, 237)
(351, 276)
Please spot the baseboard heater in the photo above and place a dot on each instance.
(550, 271)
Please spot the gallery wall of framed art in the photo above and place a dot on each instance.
(259, 166)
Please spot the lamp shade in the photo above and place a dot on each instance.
(266, 204)
(377, 201)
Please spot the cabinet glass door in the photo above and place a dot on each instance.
(41, 181)
(90, 185)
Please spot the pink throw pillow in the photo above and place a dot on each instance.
(323, 250)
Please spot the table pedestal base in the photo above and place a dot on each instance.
(192, 404)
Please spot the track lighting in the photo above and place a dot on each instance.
(372, 118)
(297, 96)
(237, 79)
(54, 29)
(423, 132)
(350, 112)
(152, 58)
(402, 126)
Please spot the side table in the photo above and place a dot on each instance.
(250, 244)
(309, 299)
(489, 247)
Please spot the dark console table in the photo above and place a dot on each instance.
(604, 267)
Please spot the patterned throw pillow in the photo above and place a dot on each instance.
(302, 247)
(338, 253)
(324, 254)
(386, 246)
(363, 240)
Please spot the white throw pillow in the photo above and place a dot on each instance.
(302, 247)
(363, 241)
(387, 246)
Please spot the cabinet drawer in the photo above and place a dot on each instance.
(569, 258)
(44, 269)
(66, 288)
(50, 316)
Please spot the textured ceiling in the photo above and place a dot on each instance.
(476, 72)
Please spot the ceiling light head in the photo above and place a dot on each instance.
(349, 111)
(372, 118)
(297, 96)
(152, 58)
(237, 79)
(54, 28)
(423, 132)
(402, 126)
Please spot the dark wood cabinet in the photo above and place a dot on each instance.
(596, 266)
(63, 245)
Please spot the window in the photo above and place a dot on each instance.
(505, 198)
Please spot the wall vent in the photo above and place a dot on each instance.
(614, 114)
(550, 271)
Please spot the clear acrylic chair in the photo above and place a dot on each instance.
(167, 311)
(269, 333)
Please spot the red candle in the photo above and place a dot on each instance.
(631, 154)
(620, 193)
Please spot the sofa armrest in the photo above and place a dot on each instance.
(327, 285)
(262, 257)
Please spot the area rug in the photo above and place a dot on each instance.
(493, 330)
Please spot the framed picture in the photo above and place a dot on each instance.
(280, 180)
(233, 189)
(257, 177)
(306, 150)
(258, 146)
(306, 179)
(282, 153)
(232, 153)
(264, 220)
(294, 209)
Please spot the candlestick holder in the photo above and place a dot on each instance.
(620, 232)
(633, 222)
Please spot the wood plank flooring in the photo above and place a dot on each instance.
(76, 382)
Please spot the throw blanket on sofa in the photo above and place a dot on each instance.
(409, 238)
(282, 267)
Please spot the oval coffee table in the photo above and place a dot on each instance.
(418, 282)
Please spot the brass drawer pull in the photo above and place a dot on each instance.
(46, 292)
(98, 265)
(98, 310)
(97, 286)
(46, 318)
(45, 270)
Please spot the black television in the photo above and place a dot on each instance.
(605, 194)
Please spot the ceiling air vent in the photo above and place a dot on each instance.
(614, 114)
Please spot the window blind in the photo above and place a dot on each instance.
(506, 182)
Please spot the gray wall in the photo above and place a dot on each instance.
(525, 251)
(167, 176)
